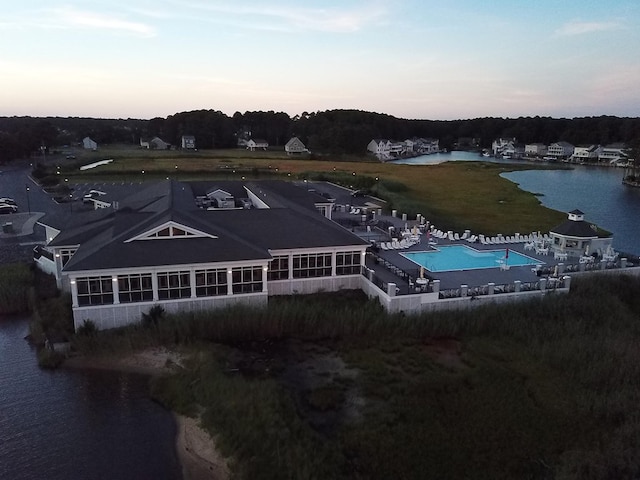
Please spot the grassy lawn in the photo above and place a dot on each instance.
(456, 195)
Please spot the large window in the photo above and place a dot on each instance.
(135, 288)
(278, 268)
(312, 265)
(211, 282)
(247, 279)
(348, 263)
(94, 291)
(174, 285)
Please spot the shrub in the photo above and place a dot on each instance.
(49, 359)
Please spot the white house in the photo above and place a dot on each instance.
(381, 148)
(188, 142)
(503, 146)
(613, 153)
(588, 153)
(253, 144)
(295, 145)
(89, 144)
(159, 247)
(560, 150)
(535, 149)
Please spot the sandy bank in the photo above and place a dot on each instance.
(195, 448)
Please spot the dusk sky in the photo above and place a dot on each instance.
(422, 59)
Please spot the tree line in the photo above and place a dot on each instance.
(331, 131)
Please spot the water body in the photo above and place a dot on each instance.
(597, 191)
(77, 424)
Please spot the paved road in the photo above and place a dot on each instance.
(16, 183)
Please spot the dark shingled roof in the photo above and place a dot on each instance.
(105, 235)
(573, 228)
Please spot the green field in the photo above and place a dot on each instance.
(452, 195)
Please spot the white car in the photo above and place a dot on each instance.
(6, 208)
(8, 201)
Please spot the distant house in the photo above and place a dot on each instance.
(295, 145)
(560, 150)
(426, 145)
(252, 144)
(188, 142)
(89, 144)
(380, 147)
(613, 153)
(588, 153)
(535, 149)
(157, 143)
(503, 147)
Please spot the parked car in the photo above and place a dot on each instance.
(6, 208)
(8, 201)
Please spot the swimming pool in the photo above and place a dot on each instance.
(450, 258)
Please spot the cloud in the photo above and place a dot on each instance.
(581, 28)
(295, 18)
(71, 17)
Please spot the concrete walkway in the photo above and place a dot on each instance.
(21, 224)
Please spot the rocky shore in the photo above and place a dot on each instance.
(196, 449)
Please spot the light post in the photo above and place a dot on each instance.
(26, 187)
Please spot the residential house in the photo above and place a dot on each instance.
(583, 154)
(503, 147)
(160, 247)
(426, 146)
(613, 153)
(89, 144)
(560, 150)
(188, 142)
(156, 143)
(535, 149)
(381, 148)
(295, 145)
(253, 144)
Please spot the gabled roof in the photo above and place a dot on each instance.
(124, 238)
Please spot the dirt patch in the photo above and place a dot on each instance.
(445, 351)
(322, 386)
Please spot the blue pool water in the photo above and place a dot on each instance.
(461, 257)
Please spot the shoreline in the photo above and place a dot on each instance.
(196, 450)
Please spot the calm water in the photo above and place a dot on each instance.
(597, 191)
(73, 424)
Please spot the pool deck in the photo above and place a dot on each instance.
(473, 277)
(448, 280)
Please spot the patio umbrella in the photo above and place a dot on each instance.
(421, 272)
(555, 271)
(586, 250)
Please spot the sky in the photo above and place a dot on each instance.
(418, 59)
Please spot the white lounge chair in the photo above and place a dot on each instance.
(456, 236)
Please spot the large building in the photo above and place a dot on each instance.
(198, 246)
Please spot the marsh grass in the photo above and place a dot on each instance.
(16, 281)
(547, 388)
(453, 195)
